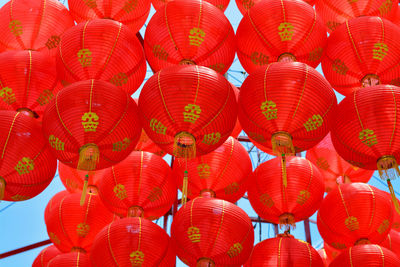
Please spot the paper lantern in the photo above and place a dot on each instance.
(362, 52)
(212, 232)
(331, 252)
(27, 165)
(189, 32)
(286, 30)
(324, 257)
(76, 259)
(72, 226)
(102, 49)
(244, 5)
(392, 242)
(221, 4)
(223, 173)
(238, 128)
(73, 179)
(333, 168)
(286, 107)
(366, 255)
(353, 214)
(130, 242)
(28, 81)
(46, 255)
(33, 25)
(130, 12)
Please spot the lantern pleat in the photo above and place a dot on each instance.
(355, 213)
(102, 49)
(392, 242)
(189, 32)
(34, 25)
(221, 4)
(288, 100)
(76, 259)
(286, 30)
(27, 165)
(212, 231)
(244, 5)
(362, 52)
(143, 180)
(73, 179)
(130, 242)
(146, 144)
(45, 256)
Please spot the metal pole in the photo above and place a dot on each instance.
(24, 249)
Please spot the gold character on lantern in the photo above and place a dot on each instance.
(332, 25)
(130, 5)
(322, 163)
(235, 250)
(136, 258)
(247, 4)
(54, 238)
(194, 234)
(259, 59)
(53, 42)
(155, 194)
(267, 200)
(24, 166)
(316, 54)
(90, 121)
(231, 189)
(121, 145)
(15, 27)
(385, 7)
(203, 170)
(82, 229)
(303, 196)
(7, 94)
(157, 126)
(45, 97)
(119, 79)
(285, 31)
(313, 123)
(120, 191)
(218, 67)
(56, 143)
(85, 57)
(196, 36)
(352, 223)
(160, 53)
(191, 113)
(19, 198)
(380, 51)
(91, 3)
(212, 138)
(368, 137)
(268, 108)
(384, 226)
(339, 67)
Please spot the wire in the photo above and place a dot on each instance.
(6, 207)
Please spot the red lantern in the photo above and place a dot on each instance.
(284, 251)
(140, 185)
(244, 5)
(324, 257)
(392, 242)
(286, 107)
(189, 32)
(130, 12)
(223, 172)
(355, 213)
(33, 25)
(102, 49)
(27, 165)
(76, 259)
(130, 242)
(212, 232)
(396, 217)
(72, 226)
(336, 12)
(238, 128)
(73, 179)
(221, 4)
(286, 30)
(333, 168)
(46, 255)
(28, 81)
(331, 252)
(362, 52)
(286, 190)
(366, 255)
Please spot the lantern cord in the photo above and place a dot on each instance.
(185, 187)
(393, 195)
(2, 188)
(84, 189)
(284, 170)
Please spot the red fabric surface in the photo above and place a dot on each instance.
(73, 179)
(76, 259)
(324, 257)
(221, 4)
(146, 144)
(46, 255)
(244, 5)
(392, 242)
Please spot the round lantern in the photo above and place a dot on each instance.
(71, 226)
(396, 217)
(76, 259)
(365, 129)
(140, 185)
(284, 251)
(336, 12)
(366, 255)
(286, 107)
(34, 25)
(238, 128)
(223, 172)
(221, 4)
(189, 32)
(355, 213)
(102, 49)
(46, 255)
(244, 5)
(212, 232)
(333, 168)
(132, 13)
(26, 164)
(286, 30)
(362, 52)
(74, 180)
(331, 252)
(392, 242)
(130, 242)
(286, 190)
(28, 81)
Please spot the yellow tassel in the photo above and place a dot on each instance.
(89, 156)
(2, 188)
(282, 144)
(184, 145)
(84, 189)
(185, 187)
(394, 199)
(287, 219)
(389, 170)
(284, 170)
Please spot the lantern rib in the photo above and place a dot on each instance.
(109, 244)
(162, 96)
(9, 134)
(395, 117)
(302, 92)
(352, 42)
(112, 51)
(219, 228)
(28, 84)
(38, 23)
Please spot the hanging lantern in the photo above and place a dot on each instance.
(324, 257)
(102, 49)
(76, 259)
(71, 226)
(286, 107)
(336, 12)
(284, 251)
(73, 179)
(130, 242)
(222, 173)
(362, 52)
(286, 190)
(221, 4)
(212, 232)
(364, 131)
(46, 255)
(33, 25)
(333, 168)
(131, 13)
(189, 32)
(396, 216)
(238, 128)
(244, 5)
(353, 214)
(286, 30)
(392, 242)
(331, 252)
(366, 255)
(28, 81)
(26, 164)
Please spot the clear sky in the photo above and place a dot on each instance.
(23, 224)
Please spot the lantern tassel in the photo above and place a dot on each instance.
(184, 145)
(282, 144)
(287, 219)
(185, 187)
(84, 189)
(388, 169)
(394, 199)
(2, 188)
(284, 170)
(89, 156)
